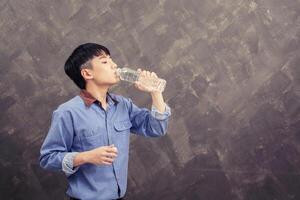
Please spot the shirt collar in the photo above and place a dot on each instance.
(89, 99)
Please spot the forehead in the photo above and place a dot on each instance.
(102, 55)
(96, 58)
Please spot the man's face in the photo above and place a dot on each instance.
(103, 70)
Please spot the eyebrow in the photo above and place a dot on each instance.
(103, 56)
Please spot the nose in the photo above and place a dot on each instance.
(114, 65)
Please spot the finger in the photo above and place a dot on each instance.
(139, 70)
(115, 150)
(137, 85)
(112, 150)
(111, 155)
(144, 73)
(106, 163)
(108, 148)
(111, 146)
(105, 148)
(109, 160)
(153, 74)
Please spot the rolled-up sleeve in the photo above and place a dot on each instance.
(161, 115)
(58, 141)
(67, 164)
(148, 123)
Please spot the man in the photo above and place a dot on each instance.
(89, 135)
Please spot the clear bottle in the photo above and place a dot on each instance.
(151, 83)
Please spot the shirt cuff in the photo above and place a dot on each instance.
(67, 164)
(161, 116)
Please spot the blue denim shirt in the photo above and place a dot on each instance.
(77, 127)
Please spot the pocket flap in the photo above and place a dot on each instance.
(122, 125)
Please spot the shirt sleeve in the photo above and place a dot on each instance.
(67, 164)
(58, 141)
(148, 123)
(161, 116)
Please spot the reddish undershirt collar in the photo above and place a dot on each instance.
(89, 99)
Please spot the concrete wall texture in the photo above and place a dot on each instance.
(233, 73)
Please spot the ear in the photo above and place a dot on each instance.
(86, 74)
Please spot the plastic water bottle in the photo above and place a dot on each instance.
(151, 83)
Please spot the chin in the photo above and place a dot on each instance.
(118, 80)
(115, 82)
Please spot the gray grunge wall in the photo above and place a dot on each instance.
(233, 73)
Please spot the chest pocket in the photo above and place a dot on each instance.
(92, 139)
(122, 126)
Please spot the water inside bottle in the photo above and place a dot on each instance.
(127, 74)
(153, 84)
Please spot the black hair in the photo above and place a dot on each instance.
(80, 56)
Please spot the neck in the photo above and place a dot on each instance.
(99, 93)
